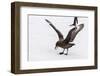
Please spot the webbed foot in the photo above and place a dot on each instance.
(61, 53)
(66, 54)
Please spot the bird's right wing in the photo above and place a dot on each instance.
(72, 33)
(80, 27)
(57, 31)
(67, 39)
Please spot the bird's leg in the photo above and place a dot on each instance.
(67, 52)
(62, 52)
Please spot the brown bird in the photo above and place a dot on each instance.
(67, 42)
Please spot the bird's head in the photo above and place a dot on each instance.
(57, 45)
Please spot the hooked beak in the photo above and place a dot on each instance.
(55, 47)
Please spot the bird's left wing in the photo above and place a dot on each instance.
(57, 31)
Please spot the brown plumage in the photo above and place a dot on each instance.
(66, 43)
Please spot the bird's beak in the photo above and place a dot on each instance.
(55, 47)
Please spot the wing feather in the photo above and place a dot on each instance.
(57, 31)
(72, 33)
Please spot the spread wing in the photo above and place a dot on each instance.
(72, 33)
(67, 39)
(57, 31)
